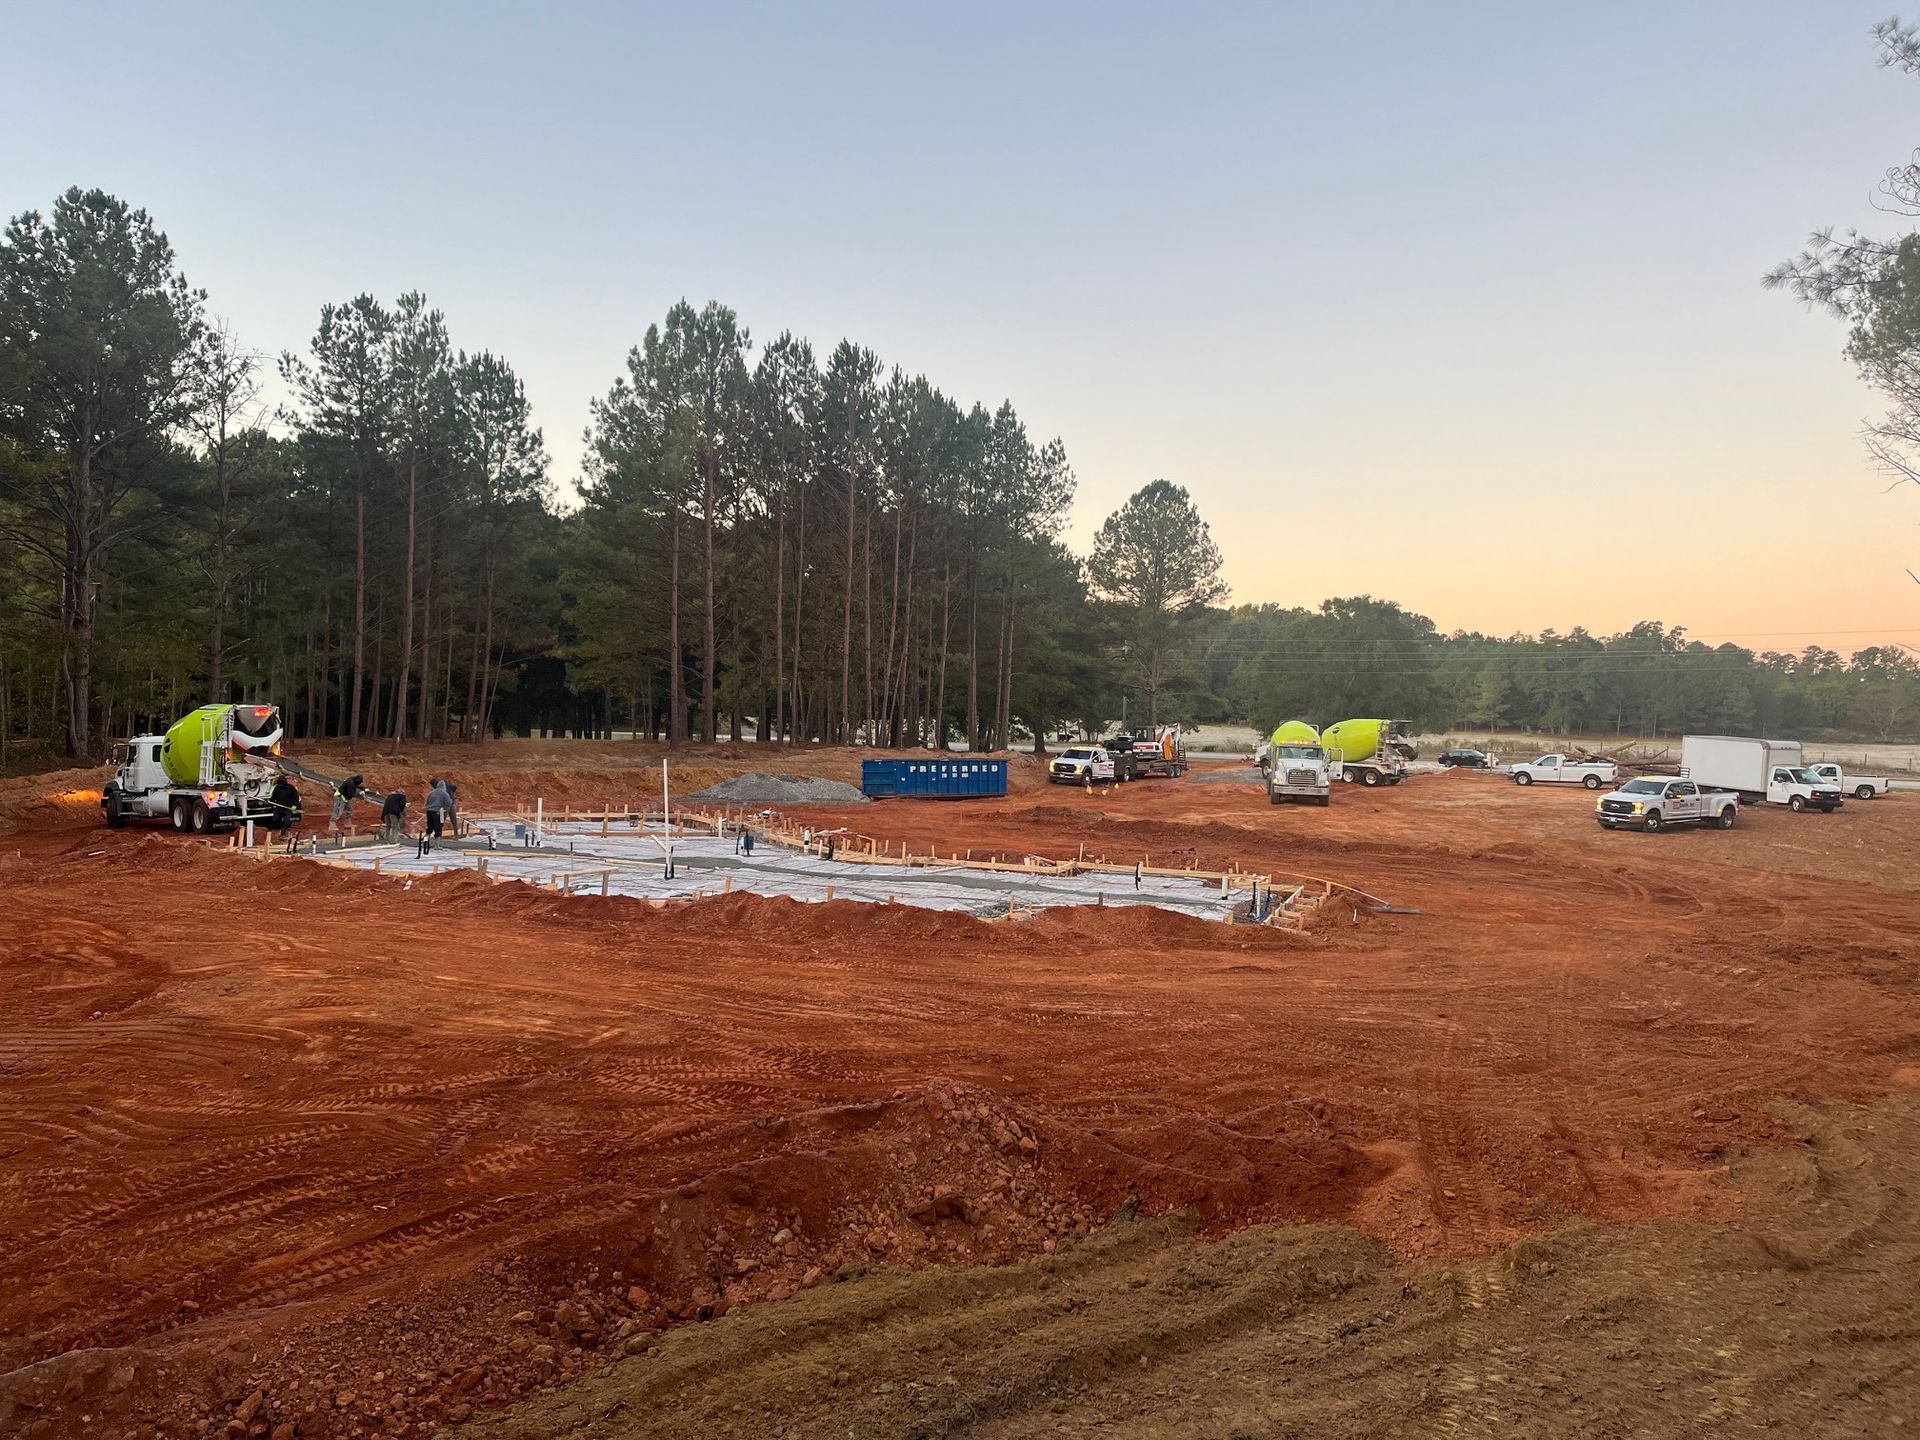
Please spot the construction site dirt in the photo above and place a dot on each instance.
(288, 1149)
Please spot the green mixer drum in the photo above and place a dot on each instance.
(255, 727)
(1295, 732)
(1353, 739)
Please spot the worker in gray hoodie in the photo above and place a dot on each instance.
(439, 807)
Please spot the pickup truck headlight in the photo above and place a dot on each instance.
(1638, 808)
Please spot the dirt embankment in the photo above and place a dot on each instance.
(1796, 1318)
(388, 1153)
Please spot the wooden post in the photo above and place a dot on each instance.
(829, 892)
(726, 884)
(605, 875)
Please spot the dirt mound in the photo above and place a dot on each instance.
(1666, 1330)
(760, 788)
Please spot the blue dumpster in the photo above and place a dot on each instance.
(943, 779)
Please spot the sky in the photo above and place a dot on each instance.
(1456, 305)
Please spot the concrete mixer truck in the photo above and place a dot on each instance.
(213, 768)
(1373, 752)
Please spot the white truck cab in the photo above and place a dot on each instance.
(1860, 787)
(144, 787)
(1559, 770)
(1298, 770)
(1079, 764)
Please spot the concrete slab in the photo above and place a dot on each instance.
(706, 865)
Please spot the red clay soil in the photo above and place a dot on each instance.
(291, 1146)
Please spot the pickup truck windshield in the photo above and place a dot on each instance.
(1076, 754)
(1642, 787)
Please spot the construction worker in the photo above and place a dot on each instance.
(283, 801)
(393, 816)
(439, 807)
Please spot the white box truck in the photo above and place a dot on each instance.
(1770, 770)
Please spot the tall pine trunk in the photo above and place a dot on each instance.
(973, 653)
(406, 611)
(946, 645)
(778, 730)
(846, 628)
(799, 605)
(359, 612)
(676, 682)
(425, 714)
(709, 726)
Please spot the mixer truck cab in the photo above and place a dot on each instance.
(1298, 770)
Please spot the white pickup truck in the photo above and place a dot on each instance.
(1654, 802)
(1559, 770)
(1079, 764)
(1861, 787)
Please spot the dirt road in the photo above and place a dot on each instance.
(390, 1154)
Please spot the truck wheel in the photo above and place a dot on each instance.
(1863, 792)
(110, 803)
(1725, 818)
(177, 812)
(1652, 822)
(1797, 803)
(1324, 799)
(1592, 782)
(199, 820)
(1369, 777)
(1521, 777)
(1272, 799)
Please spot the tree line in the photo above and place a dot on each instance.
(1359, 656)
(820, 548)
(766, 541)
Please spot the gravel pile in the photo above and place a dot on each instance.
(760, 788)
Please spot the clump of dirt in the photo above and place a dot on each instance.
(760, 788)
